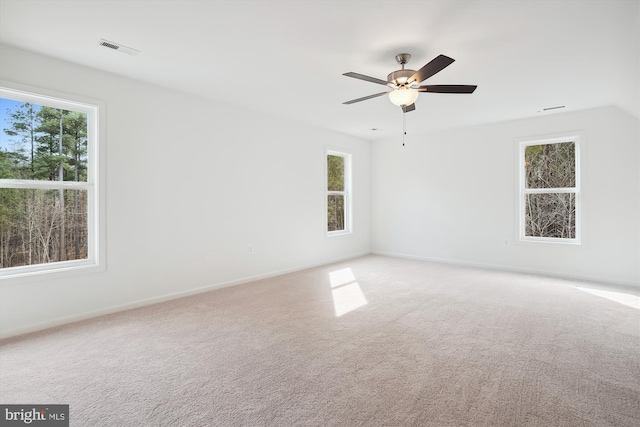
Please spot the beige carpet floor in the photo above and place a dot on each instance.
(374, 341)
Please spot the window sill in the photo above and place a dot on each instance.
(549, 240)
(56, 270)
(339, 233)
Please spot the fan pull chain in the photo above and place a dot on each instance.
(404, 127)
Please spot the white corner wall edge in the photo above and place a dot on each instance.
(163, 298)
(621, 285)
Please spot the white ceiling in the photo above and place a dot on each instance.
(287, 57)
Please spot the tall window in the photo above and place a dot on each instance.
(550, 190)
(338, 192)
(48, 183)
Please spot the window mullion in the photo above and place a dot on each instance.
(44, 185)
(549, 190)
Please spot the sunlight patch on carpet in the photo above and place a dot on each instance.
(347, 295)
(628, 299)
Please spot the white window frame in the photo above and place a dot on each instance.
(346, 193)
(95, 175)
(523, 191)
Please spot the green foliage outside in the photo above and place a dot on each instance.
(335, 173)
(39, 226)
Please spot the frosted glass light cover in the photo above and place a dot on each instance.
(403, 96)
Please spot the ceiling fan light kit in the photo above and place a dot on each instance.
(403, 96)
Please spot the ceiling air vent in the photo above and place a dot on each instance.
(119, 47)
(544, 110)
(553, 108)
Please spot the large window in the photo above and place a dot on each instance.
(338, 192)
(48, 184)
(550, 190)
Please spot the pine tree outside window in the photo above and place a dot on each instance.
(48, 184)
(550, 190)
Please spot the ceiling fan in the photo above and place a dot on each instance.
(405, 83)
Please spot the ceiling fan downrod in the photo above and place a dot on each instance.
(403, 58)
(400, 78)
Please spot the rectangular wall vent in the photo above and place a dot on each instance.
(119, 47)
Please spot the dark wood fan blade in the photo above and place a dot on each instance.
(408, 108)
(365, 98)
(448, 88)
(366, 78)
(435, 66)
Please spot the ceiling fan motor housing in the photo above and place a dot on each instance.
(400, 77)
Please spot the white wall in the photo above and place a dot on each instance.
(453, 196)
(251, 179)
(190, 184)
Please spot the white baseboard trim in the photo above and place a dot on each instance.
(622, 285)
(166, 297)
